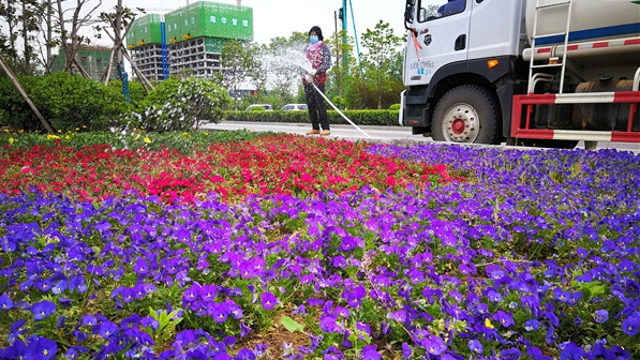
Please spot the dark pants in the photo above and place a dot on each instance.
(317, 107)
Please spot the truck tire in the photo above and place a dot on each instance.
(467, 114)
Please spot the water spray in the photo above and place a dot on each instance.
(300, 59)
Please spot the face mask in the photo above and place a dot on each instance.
(313, 39)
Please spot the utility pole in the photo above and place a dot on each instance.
(343, 17)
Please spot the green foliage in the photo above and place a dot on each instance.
(179, 104)
(185, 143)
(291, 325)
(394, 107)
(360, 117)
(136, 91)
(67, 102)
(3, 117)
(257, 109)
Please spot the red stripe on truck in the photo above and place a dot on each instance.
(625, 136)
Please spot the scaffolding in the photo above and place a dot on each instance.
(196, 36)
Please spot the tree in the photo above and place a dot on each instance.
(71, 40)
(237, 61)
(382, 52)
(9, 12)
(339, 70)
(257, 73)
(30, 24)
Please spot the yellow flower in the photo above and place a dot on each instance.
(77, 129)
(137, 137)
(488, 324)
(67, 137)
(52, 137)
(206, 133)
(185, 134)
(59, 131)
(147, 140)
(11, 140)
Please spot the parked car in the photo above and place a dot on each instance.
(264, 106)
(295, 107)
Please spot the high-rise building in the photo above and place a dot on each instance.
(189, 37)
(94, 60)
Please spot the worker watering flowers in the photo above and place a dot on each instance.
(319, 56)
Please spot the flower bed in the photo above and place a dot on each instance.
(530, 255)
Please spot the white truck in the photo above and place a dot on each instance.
(534, 72)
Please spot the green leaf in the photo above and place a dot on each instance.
(291, 325)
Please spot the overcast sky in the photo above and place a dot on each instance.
(273, 18)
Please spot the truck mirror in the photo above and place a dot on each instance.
(408, 12)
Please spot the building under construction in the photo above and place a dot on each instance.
(189, 37)
(94, 60)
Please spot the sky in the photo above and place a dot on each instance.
(280, 18)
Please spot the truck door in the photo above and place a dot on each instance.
(441, 37)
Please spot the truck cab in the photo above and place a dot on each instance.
(467, 61)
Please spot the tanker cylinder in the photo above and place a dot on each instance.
(607, 117)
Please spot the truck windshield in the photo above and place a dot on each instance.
(434, 9)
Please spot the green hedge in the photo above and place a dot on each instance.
(359, 117)
(67, 102)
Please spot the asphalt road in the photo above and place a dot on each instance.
(381, 134)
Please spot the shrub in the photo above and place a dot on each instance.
(136, 91)
(66, 101)
(394, 107)
(179, 104)
(360, 117)
(257, 109)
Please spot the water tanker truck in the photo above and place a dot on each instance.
(533, 72)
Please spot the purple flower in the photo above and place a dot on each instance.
(269, 301)
(495, 272)
(218, 311)
(494, 296)
(631, 324)
(89, 320)
(574, 298)
(45, 348)
(128, 295)
(107, 329)
(6, 303)
(245, 354)
(503, 318)
(572, 351)
(208, 292)
(601, 316)
(191, 294)
(435, 345)
(354, 298)
(407, 352)
(18, 327)
(74, 352)
(475, 346)
(244, 329)
(370, 352)
(42, 309)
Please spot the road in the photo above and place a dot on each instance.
(381, 134)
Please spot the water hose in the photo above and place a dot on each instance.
(304, 71)
(340, 112)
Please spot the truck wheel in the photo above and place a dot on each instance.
(467, 114)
